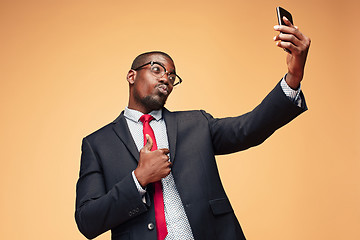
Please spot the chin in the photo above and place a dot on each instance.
(154, 103)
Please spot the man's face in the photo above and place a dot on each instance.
(149, 92)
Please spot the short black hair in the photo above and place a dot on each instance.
(140, 60)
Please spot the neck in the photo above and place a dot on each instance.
(139, 108)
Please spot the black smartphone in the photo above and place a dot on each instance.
(281, 13)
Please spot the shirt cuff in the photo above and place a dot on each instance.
(138, 186)
(293, 95)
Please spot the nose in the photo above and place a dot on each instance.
(165, 79)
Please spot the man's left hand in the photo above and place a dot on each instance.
(297, 44)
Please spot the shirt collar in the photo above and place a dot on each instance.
(135, 115)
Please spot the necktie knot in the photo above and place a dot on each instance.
(146, 118)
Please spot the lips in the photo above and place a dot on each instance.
(163, 89)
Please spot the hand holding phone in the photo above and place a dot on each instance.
(292, 40)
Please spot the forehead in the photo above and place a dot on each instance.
(167, 62)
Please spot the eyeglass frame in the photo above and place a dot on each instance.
(166, 72)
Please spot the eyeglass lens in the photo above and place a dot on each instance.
(159, 71)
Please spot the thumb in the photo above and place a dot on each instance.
(149, 142)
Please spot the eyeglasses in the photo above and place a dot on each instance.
(158, 70)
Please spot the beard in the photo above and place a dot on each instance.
(151, 102)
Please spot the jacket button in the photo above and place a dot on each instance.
(151, 226)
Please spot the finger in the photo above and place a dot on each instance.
(149, 143)
(165, 150)
(289, 30)
(287, 22)
(170, 165)
(288, 46)
(288, 38)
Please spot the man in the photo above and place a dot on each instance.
(152, 174)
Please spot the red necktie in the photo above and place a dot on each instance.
(158, 195)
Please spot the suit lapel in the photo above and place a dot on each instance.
(122, 130)
(171, 128)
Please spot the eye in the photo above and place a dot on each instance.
(172, 78)
(156, 69)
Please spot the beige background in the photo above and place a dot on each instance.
(63, 66)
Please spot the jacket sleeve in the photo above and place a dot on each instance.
(99, 209)
(239, 133)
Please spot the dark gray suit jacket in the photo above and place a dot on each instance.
(106, 195)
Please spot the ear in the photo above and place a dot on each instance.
(130, 77)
